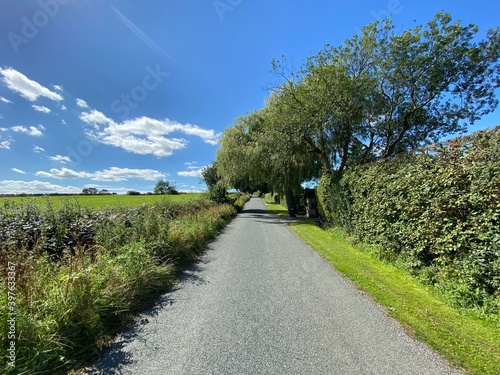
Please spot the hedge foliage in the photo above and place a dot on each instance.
(436, 210)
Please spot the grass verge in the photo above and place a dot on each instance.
(68, 307)
(468, 342)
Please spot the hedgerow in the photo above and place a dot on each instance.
(435, 210)
(81, 274)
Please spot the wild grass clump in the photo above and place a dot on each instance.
(82, 274)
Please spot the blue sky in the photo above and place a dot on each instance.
(119, 94)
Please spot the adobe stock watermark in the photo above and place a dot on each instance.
(11, 314)
(31, 25)
(393, 7)
(223, 6)
(152, 79)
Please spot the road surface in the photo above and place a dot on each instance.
(260, 301)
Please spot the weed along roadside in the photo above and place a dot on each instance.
(73, 277)
(467, 339)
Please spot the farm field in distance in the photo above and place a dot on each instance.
(97, 201)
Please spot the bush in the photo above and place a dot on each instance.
(218, 192)
(436, 210)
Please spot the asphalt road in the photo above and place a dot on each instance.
(260, 301)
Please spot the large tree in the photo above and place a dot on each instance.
(377, 94)
(258, 150)
(381, 93)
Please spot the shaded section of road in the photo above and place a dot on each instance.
(260, 301)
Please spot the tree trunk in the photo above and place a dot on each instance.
(290, 202)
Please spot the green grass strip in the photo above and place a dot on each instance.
(465, 341)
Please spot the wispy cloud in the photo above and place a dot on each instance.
(18, 170)
(41, 108)
(5, 145)
(95, 118)
(191, 173)
(144, 135)
(110, 174)
(27, 88)
(5, 100)
(63, 173)
(30, 187)
(58, 88)
(31, 131)
(123, 174)
(81, 103)
(38, 149)
(60, 159)
(155, 47)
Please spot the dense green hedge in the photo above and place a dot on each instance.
(436, 210)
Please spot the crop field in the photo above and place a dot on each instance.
(98, 201)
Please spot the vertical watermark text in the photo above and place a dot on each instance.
(11, 314)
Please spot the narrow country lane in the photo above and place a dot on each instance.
(260, 301)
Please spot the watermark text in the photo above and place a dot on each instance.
(11, 314)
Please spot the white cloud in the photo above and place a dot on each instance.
(38, 149)
(95, 118)
(31, 131)
(144, 135)
(57, 88)
(63, 122)
(81, 103)
(61, 159)
(33, 187)
(5, 100)
(63, 173)
(191, 173)
(110, 174)
(63, 107)
(18, 170)
(123, 174)
(28, 89)
(41, 108)
(5, 145)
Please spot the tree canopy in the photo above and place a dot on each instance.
(378, 94)
(164, 187)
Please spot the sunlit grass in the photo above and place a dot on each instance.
(466, 341)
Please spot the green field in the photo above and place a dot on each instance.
(96, 201)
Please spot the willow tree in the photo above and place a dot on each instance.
(258, 149)
(380, 93)
(377, 94)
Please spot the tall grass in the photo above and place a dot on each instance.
(81, 274)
